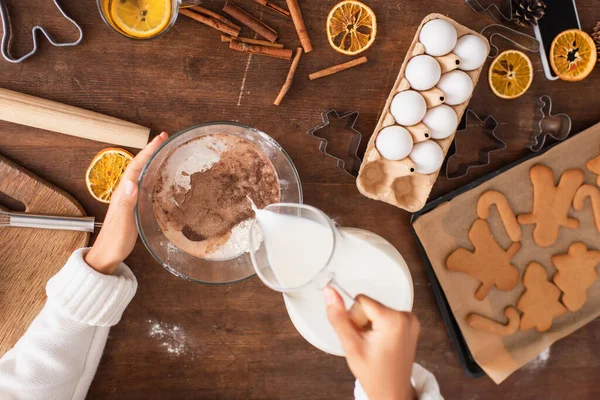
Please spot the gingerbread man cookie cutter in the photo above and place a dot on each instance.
(7, 34)
(351, 118)
(487, 129)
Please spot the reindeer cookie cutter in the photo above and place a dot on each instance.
(7, 34)
(547, 124)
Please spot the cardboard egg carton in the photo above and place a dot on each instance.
(396, 182)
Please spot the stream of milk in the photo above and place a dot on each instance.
(297, 248)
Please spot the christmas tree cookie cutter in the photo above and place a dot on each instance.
(556, 126)
(546, 124)
(7, 34)
(476, 129)
(351, 168)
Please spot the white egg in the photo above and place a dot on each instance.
(422, 72)
(441, 120)
(438, 36)
(408, 107)
(427, 156)
(472, 52)
(457, 87)
(394, 143)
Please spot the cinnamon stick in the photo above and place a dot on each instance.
(290, 78)
(299, 24)
(211, 21)
(284, 54)
(213, 14)
(256, 25)
(225, 38)
(337, 68)
(274, 7)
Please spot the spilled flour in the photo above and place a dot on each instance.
(540, 361)
(172, 337)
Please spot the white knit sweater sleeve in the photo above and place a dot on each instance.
(423, 381)
(58, 355)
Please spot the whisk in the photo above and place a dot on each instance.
(59, 222)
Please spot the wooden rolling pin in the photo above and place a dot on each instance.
(57, 117)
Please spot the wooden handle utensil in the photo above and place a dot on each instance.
(57, 117)
(358, 316)
(356, 312)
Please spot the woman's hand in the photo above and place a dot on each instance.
(119, 233)
(380, 358)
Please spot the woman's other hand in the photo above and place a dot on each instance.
(119, 233)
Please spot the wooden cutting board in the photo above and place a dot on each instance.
(29, 257)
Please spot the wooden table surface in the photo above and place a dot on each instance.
(181, 340)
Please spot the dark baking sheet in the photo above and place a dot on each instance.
(465, 357)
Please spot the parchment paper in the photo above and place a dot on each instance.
(445, 228)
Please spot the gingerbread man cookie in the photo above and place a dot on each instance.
(576, 273)
(482, 323)
(551, 203)
(594, 194)
(488, 263)
(540, 302)
(506, 213)
(594, 166)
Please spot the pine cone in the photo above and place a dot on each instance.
(527, 12)
(596, 37)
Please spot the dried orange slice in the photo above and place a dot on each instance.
(510, 74)
(141, 18)
(351, 27)
(573, 55)
(105, 172)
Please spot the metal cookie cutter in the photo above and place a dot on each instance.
(504, 10)
(457, 165)
(505, 15)
(356, 138)
(521, 40)
(6, 38)
(557, 126)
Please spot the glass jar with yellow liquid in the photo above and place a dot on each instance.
(141, 19)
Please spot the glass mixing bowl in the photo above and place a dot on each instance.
(179, 262)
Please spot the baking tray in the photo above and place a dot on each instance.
(465, 357)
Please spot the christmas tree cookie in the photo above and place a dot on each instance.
(540, 302)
